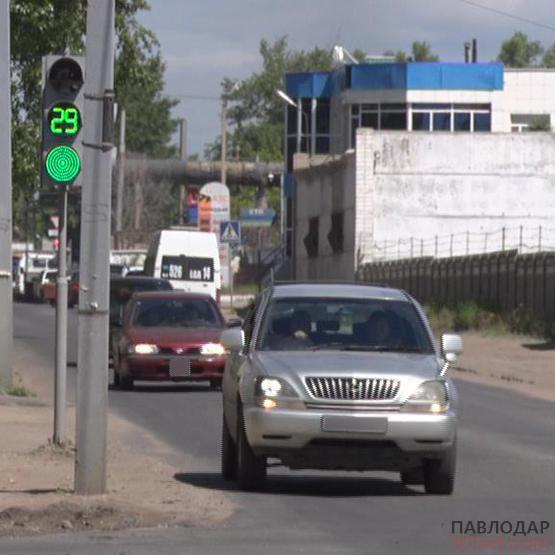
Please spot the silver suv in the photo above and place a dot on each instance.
(339, 377)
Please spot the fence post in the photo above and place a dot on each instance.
(411, 247)
(421, 247)
(540, 239)
(503, 239)
(520, 240)
(435, 248)
(486, 242)
(385, 250)
(467, 242)
(398, 248)
(451, 245)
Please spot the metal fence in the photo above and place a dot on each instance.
(505, 280)
(523, 239)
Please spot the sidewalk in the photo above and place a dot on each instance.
(519, 363)
(36, 478)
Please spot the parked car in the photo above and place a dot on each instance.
(170, 335)
(339, 377)
(121, 291)
(73, 290)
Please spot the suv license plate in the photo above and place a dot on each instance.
(354, 424)
(180, 368)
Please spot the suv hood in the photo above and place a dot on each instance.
(410, 368)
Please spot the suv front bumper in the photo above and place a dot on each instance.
(270, 430)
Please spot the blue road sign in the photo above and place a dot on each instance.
(257, 217)
(230, 232)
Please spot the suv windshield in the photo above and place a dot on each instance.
(305, 324)
(176, 313)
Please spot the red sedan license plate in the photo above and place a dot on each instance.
(180, 368)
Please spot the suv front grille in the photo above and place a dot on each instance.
(352, 389)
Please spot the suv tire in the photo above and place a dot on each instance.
(251, 469)
(228, 453)
(439, 474)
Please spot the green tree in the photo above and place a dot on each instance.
(549, 57)
(256, 112)
(40, 27)
(421, 51)
(519, 51)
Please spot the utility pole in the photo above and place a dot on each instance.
(182, 156)
(224, 139)
(60, 375)
(92, 375)
(6, 314)
(121, 177)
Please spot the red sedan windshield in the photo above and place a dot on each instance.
(174, 313)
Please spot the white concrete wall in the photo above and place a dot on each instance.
(473, 186)
(327, 186)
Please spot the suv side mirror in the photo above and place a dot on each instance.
(451, 346)
(233, 339)
(234, 323)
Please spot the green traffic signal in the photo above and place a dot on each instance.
(63, 164)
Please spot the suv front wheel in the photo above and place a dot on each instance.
(439, 474)
(251, 468)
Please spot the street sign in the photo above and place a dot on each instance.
(230, 232)
(257, 217)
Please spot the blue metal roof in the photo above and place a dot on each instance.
(397, 76)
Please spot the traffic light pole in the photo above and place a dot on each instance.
(6, 318)
(60, 378)
(92, 375)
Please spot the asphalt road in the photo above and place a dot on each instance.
(505, 472)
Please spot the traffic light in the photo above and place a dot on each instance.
(62, 121)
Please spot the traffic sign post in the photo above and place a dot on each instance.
(230, 233)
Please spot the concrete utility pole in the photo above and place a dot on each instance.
(6, 313)
(182, 156)
(92, 375)
(223, 176)
(121, 174)
(60, 376)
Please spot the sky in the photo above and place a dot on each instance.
(203, 41)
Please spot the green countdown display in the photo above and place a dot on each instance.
(63, 164)
(64, 119)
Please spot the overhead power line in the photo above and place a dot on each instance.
(508, 14)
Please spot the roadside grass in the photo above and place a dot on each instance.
(487, 319)
(16, 390)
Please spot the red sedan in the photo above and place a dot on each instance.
(170, 336)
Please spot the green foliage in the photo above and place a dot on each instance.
(40, 27)
(487, 319)
(540, 123)
(421, 51)
(519, 51)
(549, 57)
(255, 109)
(18, 390)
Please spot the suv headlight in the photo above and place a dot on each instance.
(212, 349)
(428, 397)
(269, 390)
(143, 349)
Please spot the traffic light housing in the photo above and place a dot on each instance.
(62, 120)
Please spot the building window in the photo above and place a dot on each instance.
(530, 122)
(393, 120)
(312, 239)
(482, 122)
(335, 236)
(462, 121)
(442, 121)
(420, 121)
